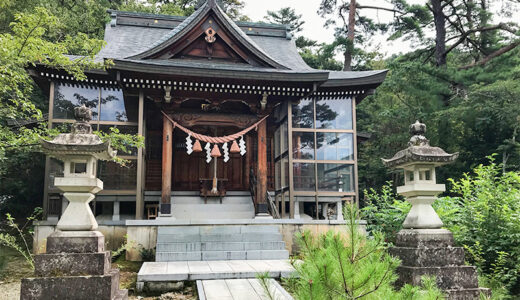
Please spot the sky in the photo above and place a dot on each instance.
(314, 25)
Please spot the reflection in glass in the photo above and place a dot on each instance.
(115, 108)
(304, 177)
(277, 142)
(285, 166)
(335, 178)
(334, 113)
(125, 130)
(116, 177)
(335, 146)
(66, 97)
(285, 136)
(303, 145)
(303, 114)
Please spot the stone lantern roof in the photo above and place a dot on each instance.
(419, 150)
(81, 141)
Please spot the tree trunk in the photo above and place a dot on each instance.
(347, 66)
(440, 32)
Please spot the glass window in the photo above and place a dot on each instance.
(285, 165)
(285, 136)
(335, 178)
(335, 146)
(304, 177)
(114, 107)
(303, 114)
(125, 129)
(277, 143)
(117, 177)
(303, 145)
(334, 114)
(278, 175)
(66, 97)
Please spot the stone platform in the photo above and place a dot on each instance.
(431, 252)
(76, 266)
(230, 289)
(210, 270)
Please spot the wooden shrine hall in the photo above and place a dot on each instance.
(229, 112)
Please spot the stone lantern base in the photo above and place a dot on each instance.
(76, 266)
(431, 252)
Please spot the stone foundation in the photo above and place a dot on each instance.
(76, 267)
(431, 252)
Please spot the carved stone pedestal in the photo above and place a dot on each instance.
(76, 266)
(430, 252)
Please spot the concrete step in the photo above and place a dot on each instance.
(240, 237)
(212, 208)
(219, 246)
(217, 229)
(206, 215)
(211, 200)
(221, 255)
(250, 289)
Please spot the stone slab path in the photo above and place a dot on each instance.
(211, 270)
(240, 289)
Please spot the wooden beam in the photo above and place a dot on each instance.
(261, 185)
(139, 197)
(167, 150)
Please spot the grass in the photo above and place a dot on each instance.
(128, 272)
(13, 266)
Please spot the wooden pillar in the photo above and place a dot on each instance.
(139, 193)
(166, 167)
(261, 185)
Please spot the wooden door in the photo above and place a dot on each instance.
(189, 169)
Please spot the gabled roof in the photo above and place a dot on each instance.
(135, 40)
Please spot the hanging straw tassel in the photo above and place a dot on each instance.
(197, 147)
(216, 151)
(234, 147)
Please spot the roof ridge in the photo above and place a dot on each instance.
(260, 24)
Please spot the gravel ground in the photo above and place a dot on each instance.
(10, 291)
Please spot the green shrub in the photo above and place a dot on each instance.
(385, 211)
(147, 254)
(350, 266)
(485, 220)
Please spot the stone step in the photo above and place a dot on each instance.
(221, 255)
(250, 289)
(240, 237)
(207, 215)
(202, 270)
(214, 200)
(219, 246)
(212, 208)
(218, 229)
(448, 277)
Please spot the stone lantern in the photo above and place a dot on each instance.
(76, 265)
(422, 245)
(79, 150)
(419, 161)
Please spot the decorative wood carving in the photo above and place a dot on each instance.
(210, 119)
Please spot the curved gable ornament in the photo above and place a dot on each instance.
(211, 22)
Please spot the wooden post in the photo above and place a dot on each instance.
(167, 167)
(261, 185)
(139, 197)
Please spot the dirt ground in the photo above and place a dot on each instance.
(13, 268)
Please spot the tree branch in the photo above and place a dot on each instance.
(381, 8)
(497, 53)
(463, 37)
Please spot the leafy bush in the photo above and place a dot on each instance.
(485, 220)
(21, 240)
(350, 266)
(147, 254)
(385, 212)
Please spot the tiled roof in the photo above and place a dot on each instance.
(132, 36)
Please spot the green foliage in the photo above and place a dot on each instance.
(286, 16)
(18, 241)
(485, 221)
(147, 254)
(337, 266)
(385, 211)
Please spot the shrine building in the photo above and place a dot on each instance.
(236, 125)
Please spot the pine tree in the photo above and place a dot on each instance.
(339, 266)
